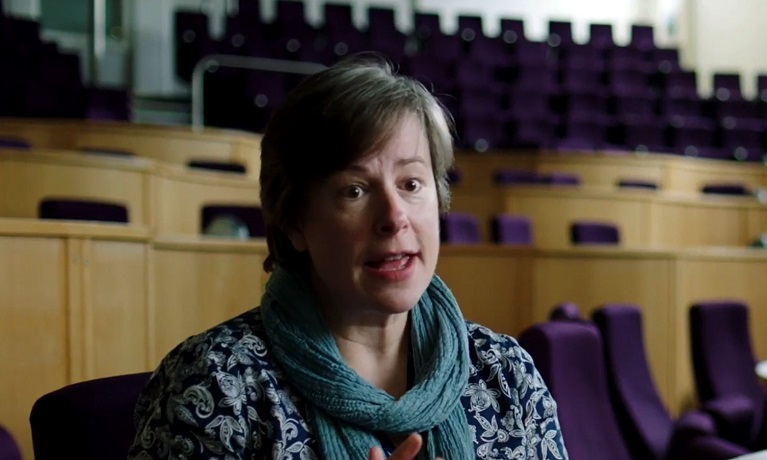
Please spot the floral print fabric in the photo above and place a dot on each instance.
(219, 395)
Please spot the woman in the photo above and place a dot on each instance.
(358, 350)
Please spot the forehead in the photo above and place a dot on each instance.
(406, 143)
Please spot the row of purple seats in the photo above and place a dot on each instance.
(608, 404)
(508, 229)
(39, 80)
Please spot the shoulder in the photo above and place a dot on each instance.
(488, 347)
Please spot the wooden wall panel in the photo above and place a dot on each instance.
(34, 331)
(198, 284)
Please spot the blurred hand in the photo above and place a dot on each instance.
(407, 450)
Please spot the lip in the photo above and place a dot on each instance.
(393, 276)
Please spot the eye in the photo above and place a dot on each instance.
(352, 192)
(413, 185)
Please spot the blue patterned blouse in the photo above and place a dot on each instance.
(220, 395)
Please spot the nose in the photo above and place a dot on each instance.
(392, 216)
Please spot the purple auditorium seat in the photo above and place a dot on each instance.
(516, 177)
(481, 132)
(219, 166)
(297, 38)
(432, 41)
(587, 232)
(648, 429)
(579, 56)
(9, 450)
(435, 74)
(383, 35)
(761, 88)
(569, 357)
(632, 106)
(682, 85)
(723, 364)
(626, 58)
(560, 178)
(512, 31)
(459, 228)
(581, 80)
(694, 137)
(526, 132)
(671, 108)
(473, 40)
(601, 36)
(727, 86)
(644, 134)
(642, 37)
(582, 133)
(539, 80)
(107, 104)
(250, 9)
(631, 83)
(725, 189)
(251, 216)
(82, 209)
(511, 229)
(192, 39)
(637, 184)
(14, 143)
(566, 311)
(341, 37)
(475, 74)
(743, 139)
(734, 108)
(560, 34)
(666, 60)
(91, 420)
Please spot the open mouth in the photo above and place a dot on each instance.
(391, 263)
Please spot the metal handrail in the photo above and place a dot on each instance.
(239, 62)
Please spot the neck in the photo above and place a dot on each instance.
(376, 348)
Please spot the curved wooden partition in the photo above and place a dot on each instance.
(170, 144)
(178, 196)
(509, 289)
(671, 173)
(646, 219)
(27, 177)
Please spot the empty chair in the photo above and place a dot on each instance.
(727, 86)
(566, 311)
(14, 143)
(214, 216)
(220, 166)
(725, 189)
(723, 364)
(560, 33)
(81, 209)
(9, 450)
(666, 60)
(648, 429)
(512, 30)
(91, 420)
(637, 183)
(583, 232)
(107, 104)
(516, 177)
(642, 37)
(459, 228)
(682, 85)
(601, 36)
(512, 230)
(644, 134)
(569, 357)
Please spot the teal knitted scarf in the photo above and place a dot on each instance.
(344, 411)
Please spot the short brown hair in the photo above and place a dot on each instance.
(327, 122)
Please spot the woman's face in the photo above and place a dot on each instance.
(372, 230)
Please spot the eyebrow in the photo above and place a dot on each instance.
(400, 162)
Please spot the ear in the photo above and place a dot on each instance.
(297, 239)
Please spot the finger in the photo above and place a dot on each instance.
(376, 454)
(409, 448)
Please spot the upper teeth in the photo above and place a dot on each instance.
(390, 258)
